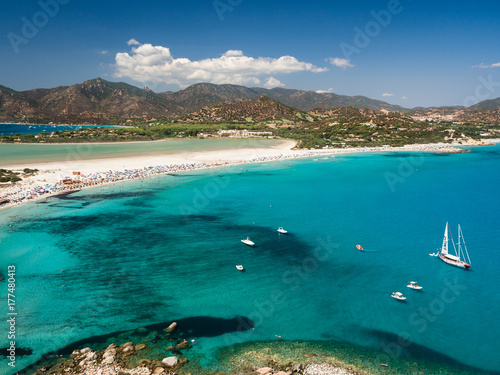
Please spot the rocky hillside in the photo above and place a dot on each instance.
(100, 101)
(493, 104)
(95, 101)
(258, 110)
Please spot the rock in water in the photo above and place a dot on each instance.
(171, 327)
(170, 361)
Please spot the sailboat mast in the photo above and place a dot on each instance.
(465, 252)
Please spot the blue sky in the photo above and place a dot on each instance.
(413, 53)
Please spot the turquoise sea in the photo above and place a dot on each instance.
(119, 257)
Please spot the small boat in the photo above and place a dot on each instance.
(461, 254)
(399, 296)
(239, 267)
(281, 230)
(247, 241)
(359, 247)
(414, 285)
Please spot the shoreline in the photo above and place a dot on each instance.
(134, 352)
(105, 171)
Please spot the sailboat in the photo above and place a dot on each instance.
(461, 254)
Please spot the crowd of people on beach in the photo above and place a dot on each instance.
(86, 180)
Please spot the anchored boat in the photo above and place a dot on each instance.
(247, 241)
(399, 296)
(414, 285)
(461, 258)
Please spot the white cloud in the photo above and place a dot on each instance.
(404, 97)
(156, 64)
(339, 62)
(329, 91)
(133, 42)
(387, 94)
(104, 52)
(273, 82)
(484, 66)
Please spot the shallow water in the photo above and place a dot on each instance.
(119, 257)
(23, 153)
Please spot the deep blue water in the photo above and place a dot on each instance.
(9, 129)
(117, 257)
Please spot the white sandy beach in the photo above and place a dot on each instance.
(99, 171)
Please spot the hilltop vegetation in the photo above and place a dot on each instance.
(266, 117)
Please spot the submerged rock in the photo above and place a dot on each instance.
(182, 345)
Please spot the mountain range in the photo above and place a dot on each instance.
(99, 101)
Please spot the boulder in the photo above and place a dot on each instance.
(122, 346)
(171, 327)
(91, 356)
(140, 347)
(170, 361)
(264, 371)
(111, 351)
(158, 370)
(85, 350)
(281, 373)
(108, 360)
(128, 349)
(170, 348)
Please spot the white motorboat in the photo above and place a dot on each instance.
(239, 267)
(247, 241)
(414, 285)
(461, 254)
(399, 296)
(281, 230)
